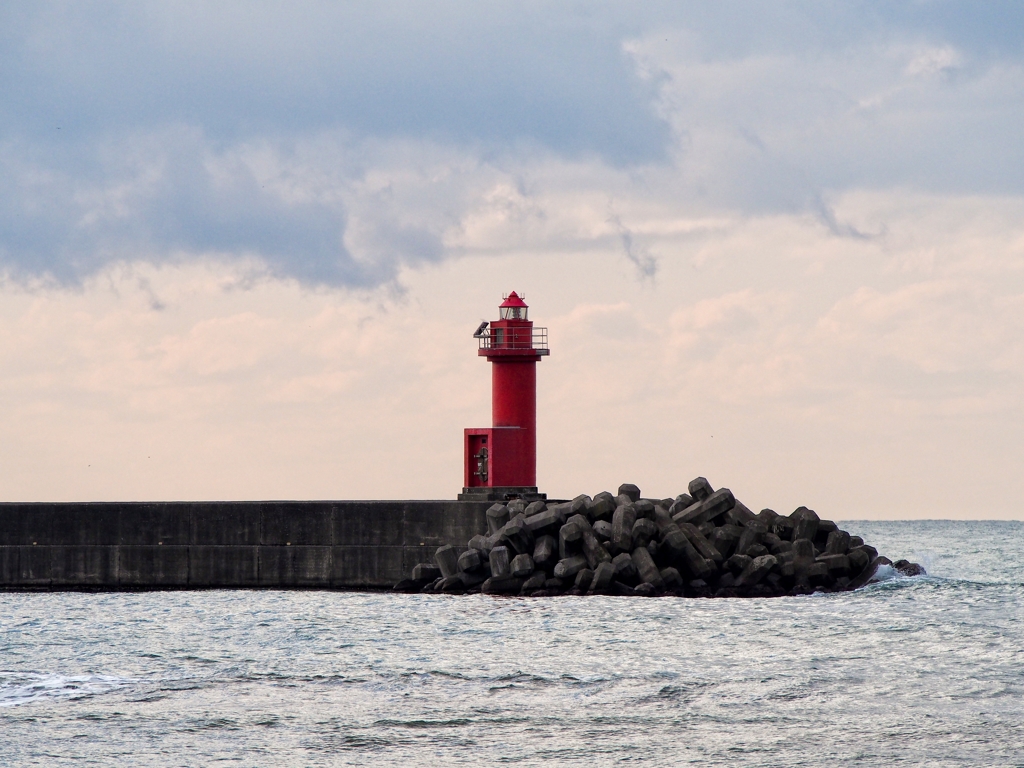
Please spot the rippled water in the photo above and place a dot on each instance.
(924, 671)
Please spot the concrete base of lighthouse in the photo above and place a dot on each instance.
(502, 493)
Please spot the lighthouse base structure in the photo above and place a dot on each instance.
(502, 493)
(496, 465)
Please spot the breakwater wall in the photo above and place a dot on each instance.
(232, 544)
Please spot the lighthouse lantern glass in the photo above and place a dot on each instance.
(513, 313)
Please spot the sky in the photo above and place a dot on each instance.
(244, 245)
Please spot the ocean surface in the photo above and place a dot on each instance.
(926, 671)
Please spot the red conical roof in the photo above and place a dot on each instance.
(513, 300)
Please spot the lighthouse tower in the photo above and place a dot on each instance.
(501, 461)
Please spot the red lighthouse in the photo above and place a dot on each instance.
(501, 462)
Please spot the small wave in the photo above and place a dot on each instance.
(18, 688)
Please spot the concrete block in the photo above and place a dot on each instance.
(602, 580)
(570, 539)
(167, 523)
(727, 533)
(497, 516)
(602, 508)
(645, 589)
(681, 502)
(755, 571)
(753, 532)
(699, 488)
(908, 568)
(535, 508)
(838, 565)
(737, 563)
(545, 552)
(603, 531)
(505, 585)
(584, 579)
(644, 531)
(579, 505)
(407, 586)
(480, 543)
(547, 521)
(827, 527)
(704, 547)
(682, 553)
(223, 566)
(425, 572)
(534, 582)
(624, 569)
(710, 508)
(470, 561)
(648, 571)
(516, 507)
(818, 574)
(856, 541)
(224, 523)
(554, 585)
(630, 491)
(783, 528)
(622, 590)
(152, 566)
(768, 517)
(776, 545)
(672, 579)
(295, 524)
(838, 543)
(300, 566)
(623, 521)
(447, 559)
(517, 536)
(739, 515)
(521, 566)
(475, 580)
(453, 585)
(644, 508)
(499, 560)
(568, 568)
(593, 550)
(805, 523)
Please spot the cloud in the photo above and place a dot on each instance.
(340, 144)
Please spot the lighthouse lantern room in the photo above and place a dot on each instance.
(501, 461)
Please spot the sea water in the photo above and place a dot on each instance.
(921, 671)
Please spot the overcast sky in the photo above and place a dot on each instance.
(243, 247)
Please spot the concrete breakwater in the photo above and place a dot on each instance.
(702, 543)
(187, 545)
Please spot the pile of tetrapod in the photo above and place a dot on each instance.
(702, 543)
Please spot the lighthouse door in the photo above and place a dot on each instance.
(478, 458)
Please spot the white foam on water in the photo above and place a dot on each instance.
(18, 688)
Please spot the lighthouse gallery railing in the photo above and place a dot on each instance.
(515, 338)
